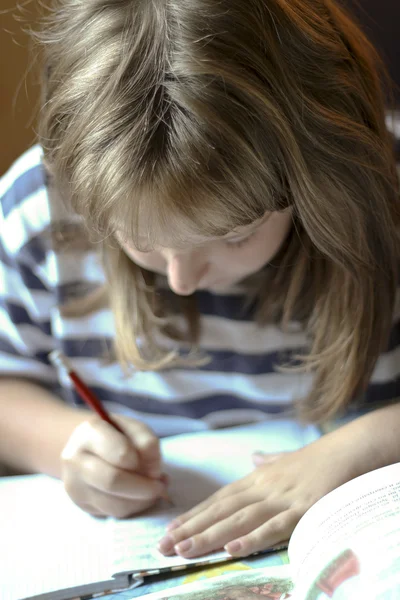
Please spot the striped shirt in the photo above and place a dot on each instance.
(239, 384)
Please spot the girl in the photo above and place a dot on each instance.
(209, 231)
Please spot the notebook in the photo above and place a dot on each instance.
(51, 549)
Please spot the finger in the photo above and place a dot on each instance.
(103, 505)
(274, 531)
(89, 508)
(164, 478)
(222, 494)
(95, 513)
(219, 534)
(114, 506)
(102, 476)
(147, 446)
(103, 440)
(216, 513)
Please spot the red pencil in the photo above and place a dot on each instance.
(60, 361)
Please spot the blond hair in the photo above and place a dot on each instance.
(208, 114)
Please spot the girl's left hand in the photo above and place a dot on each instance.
(262, 509)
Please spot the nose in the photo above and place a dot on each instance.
(185, 271)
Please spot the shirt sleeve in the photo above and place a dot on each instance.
(26, 299)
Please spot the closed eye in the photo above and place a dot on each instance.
(239, 243)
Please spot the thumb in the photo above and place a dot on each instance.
(146, 444)
(262, 458)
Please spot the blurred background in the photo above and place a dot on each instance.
(19, 89)
(19, 71)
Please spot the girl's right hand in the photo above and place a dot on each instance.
(107, 473)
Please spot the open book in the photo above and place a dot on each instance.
(346, 547)
(51, 549)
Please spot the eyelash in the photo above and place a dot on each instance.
(240, 243)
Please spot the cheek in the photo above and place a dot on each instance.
(253, 256)
(256, 256)
(272, 236)
(241, 261)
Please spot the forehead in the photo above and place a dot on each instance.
(182, 236)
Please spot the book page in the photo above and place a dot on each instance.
(47, 542)
(348, 543)
(198, 465)
(271, 583)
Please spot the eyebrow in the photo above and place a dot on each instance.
(252, 227)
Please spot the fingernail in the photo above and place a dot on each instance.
(258, 459)
(233, 547)
(166, 544)
(173, 525)
(184, 546)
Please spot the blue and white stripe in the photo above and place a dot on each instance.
(239, 384)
